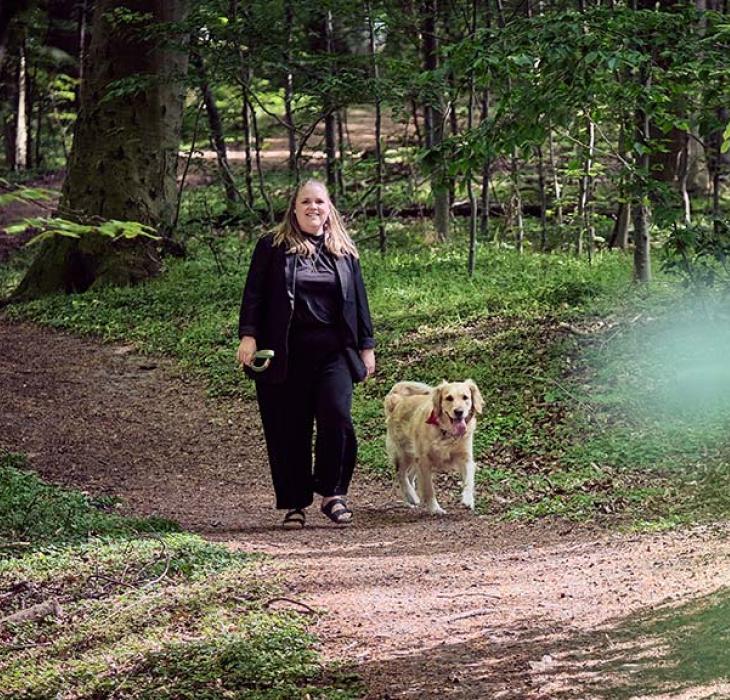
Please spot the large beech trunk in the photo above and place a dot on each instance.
(124, 157)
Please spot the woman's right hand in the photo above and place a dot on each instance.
(246, 350)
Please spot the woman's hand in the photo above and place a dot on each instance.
(246, 350)
(368, 357)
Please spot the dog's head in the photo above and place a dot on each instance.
(455, 404)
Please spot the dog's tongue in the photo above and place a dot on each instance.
(458, 427)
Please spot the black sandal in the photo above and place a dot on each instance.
(342, 516)
(294, 519)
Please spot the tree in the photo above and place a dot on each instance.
(124, 156)
(8, 10)
(433, 119)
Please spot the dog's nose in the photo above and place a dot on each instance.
(458, 412)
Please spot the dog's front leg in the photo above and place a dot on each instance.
(405, 484)
(467, 479)
(428, 497)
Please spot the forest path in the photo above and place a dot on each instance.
(452, 607)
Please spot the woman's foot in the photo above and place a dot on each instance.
(335, 508)
(294, 519)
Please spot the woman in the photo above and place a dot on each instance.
(305, 299)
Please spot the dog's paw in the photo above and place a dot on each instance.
(468, 502)
(410, 498)
(436, 509)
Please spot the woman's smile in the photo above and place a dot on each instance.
(312, 208)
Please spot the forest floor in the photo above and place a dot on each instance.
(459, 606)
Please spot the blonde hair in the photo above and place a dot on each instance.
(336, 239)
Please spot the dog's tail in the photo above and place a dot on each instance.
(402, 389)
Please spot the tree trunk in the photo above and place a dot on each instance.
(620, 233)
(246, 109)
(341, 148)
(259, 168)
(487, 165)
(516, 202)
(124, 157)
(586, 229)
(330, 123)
(22, 128)
(382, 239)
(433, 119)
(642, 257)
(453, 127)
(640, 207)
(8, 10)
(216, 131)
(247, 159)
(543, 198)
(557, 187)
(38, 154)
(293, 162)
(473, 210)
(83, 10)
(718, 167)
(683, 177)
(486, 177)
(8, 106)
(417, 128)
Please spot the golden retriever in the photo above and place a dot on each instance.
(430, 429)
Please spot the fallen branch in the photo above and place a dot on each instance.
(34, 613)
(471, 613)
(464, 595)
(116, 582)
(309, 610)
(168, 557)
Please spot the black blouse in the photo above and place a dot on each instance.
(317, 297)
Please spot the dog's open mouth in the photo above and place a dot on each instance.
(458, 426)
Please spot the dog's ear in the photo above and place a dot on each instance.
(436, 396)
(476, 396)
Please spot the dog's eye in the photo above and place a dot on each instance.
(449, 398)
(465, 397)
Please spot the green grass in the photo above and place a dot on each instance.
(672, 651)
(32, 510)
(147, 612)
(555, 439)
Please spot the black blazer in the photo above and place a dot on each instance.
(268, 306)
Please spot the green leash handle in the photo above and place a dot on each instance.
(261, 360)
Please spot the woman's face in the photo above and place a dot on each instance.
(312, 208)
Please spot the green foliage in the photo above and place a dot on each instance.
(57, 226)
(508, 328)
(656, 391)
(698, 254)
(32, 510)
(165, 615)
(672, 650)
(20, 193)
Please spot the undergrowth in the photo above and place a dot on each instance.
(524, 327)
(139, 610)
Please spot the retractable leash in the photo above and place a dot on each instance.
(261, 360)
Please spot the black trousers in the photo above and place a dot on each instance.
(317, 388)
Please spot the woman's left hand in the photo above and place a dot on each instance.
(368, 357)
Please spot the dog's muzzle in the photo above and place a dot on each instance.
(458, 425)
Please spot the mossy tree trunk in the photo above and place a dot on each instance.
(124, 157)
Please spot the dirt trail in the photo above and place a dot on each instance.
(452, 607)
